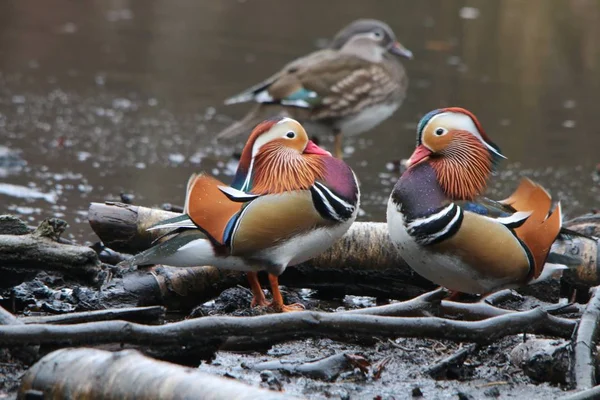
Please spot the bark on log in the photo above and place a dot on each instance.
(96, 374)
(175, 288)
(41, 250)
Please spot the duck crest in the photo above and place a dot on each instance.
(242, 180)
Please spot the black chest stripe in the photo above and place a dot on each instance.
(438, 226)
(329, 205)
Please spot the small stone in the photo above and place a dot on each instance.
(270, 380)
(416, 392)
(492, 392)
(464, 396)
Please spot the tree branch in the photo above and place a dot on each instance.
(314, 323)
(152, 314)
(584, 368)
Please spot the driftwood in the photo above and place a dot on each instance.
(363, 262)
(42, 250)
(586, 337)
(96, 374)
(153, 315)
(175, 288)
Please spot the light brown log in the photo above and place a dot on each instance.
(96, 374)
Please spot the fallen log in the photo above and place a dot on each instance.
(42, 250)
(96, 374)
(364, 262)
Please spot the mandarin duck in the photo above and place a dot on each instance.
(349, 87)
(450, 234)
(289, 201)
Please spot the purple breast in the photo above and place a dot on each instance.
(340, 179)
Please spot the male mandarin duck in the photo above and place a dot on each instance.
(450, 234)
(290, 201)
(350, 87)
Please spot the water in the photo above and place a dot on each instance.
(99, 98)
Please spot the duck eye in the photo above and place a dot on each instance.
(290, 134)
(377, 34)
(440, 131)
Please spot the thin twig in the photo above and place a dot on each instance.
(151, 314)
(311, 323)
(583, 369)
(459, 357)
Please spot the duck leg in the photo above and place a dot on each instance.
(258, 296)
(277, 303)
(338, 152)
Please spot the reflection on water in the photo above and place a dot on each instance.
(99, 97)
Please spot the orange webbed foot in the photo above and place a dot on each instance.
(277, 303)
(261, 301)
(286, 308)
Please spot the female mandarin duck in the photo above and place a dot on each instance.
(451, 235)
(349, 87)
(290, 200)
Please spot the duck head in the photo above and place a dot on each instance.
(454, 143)
(279, 157)
(370, 39)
